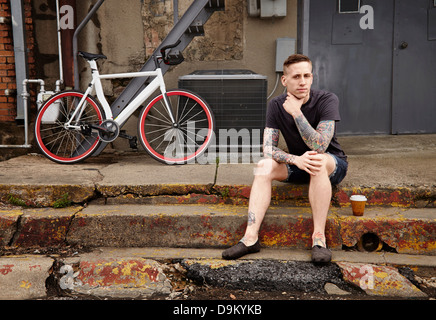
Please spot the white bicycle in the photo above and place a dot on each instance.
(175, 127)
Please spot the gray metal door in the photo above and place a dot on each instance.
(353, 63)
(384, 85)
(414, 63)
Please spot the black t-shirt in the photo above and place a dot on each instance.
(322, 105)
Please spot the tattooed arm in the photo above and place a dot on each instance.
(305, 162)
(270, 149)
(319, 139)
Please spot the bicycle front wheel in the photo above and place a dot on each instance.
(65, 143)
(184, 139)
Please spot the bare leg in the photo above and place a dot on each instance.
(266, 171)
(320, 194)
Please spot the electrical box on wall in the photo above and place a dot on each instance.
(253, 8)
(266, 8)
(284, 48)
(272, 8)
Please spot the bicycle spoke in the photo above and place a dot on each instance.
(177, 110)
(184, 107)
(189, 111)
(157, 125)
(156, 118)
(181, 143)
(62, 144)
(154, 131)
(188, 137)
(193, 117)
(165, 108)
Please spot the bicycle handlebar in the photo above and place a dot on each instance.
(170, 46)
(173, 59)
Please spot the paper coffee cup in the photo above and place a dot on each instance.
(358, 204)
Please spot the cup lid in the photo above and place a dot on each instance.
(358, 197)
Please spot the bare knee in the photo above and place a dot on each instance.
(327, 164)
(270, 169)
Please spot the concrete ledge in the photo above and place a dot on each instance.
(27, 228)
(406, 230)
(215, 226)
(8, 225)
(134, 178)
(23, 277)
(121, 277)
(46, 195)
(283, 194)
(145, 272)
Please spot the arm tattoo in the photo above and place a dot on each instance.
(270, 149)
(319, 139)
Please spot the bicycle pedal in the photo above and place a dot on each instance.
(133, 141)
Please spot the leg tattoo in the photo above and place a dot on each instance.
(251, 218)
(318, 239)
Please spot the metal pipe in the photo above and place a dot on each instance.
(25, 94)
(75, 46)
(61, 71)
(20, 49)
(58, 85)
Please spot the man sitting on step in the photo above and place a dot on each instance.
(306, 118)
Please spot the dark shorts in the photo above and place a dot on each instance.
(298, 176)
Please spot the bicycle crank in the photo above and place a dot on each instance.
(108, 131)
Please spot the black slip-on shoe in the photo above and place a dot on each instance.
(240, 250)
(321, 254)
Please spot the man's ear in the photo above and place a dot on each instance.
(283, 78)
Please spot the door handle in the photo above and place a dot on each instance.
(404, 45)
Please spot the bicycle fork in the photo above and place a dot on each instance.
(169, 108)
(167, 101)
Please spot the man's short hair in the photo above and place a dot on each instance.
(295, 58)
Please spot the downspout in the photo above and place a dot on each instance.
(21, 71)
(75, 46)
(61, 69)
(20, 51)
(65, 40)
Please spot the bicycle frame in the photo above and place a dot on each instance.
(156, 83)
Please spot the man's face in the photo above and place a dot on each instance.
(297, 79)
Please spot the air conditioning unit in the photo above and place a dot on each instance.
(238, 101)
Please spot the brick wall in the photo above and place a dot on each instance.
(7, 61)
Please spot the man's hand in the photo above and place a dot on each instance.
(310, 162)
(293, 105)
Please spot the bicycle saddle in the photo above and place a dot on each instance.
(91, 56)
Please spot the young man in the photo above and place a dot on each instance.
(306, 118)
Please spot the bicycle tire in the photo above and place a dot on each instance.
(62, 145)
(187, 139)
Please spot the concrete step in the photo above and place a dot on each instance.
(137, 179)
(177, 273)
(48, 195)
(402, 230)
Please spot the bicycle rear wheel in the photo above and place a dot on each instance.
(64, 144)
(182, 141)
